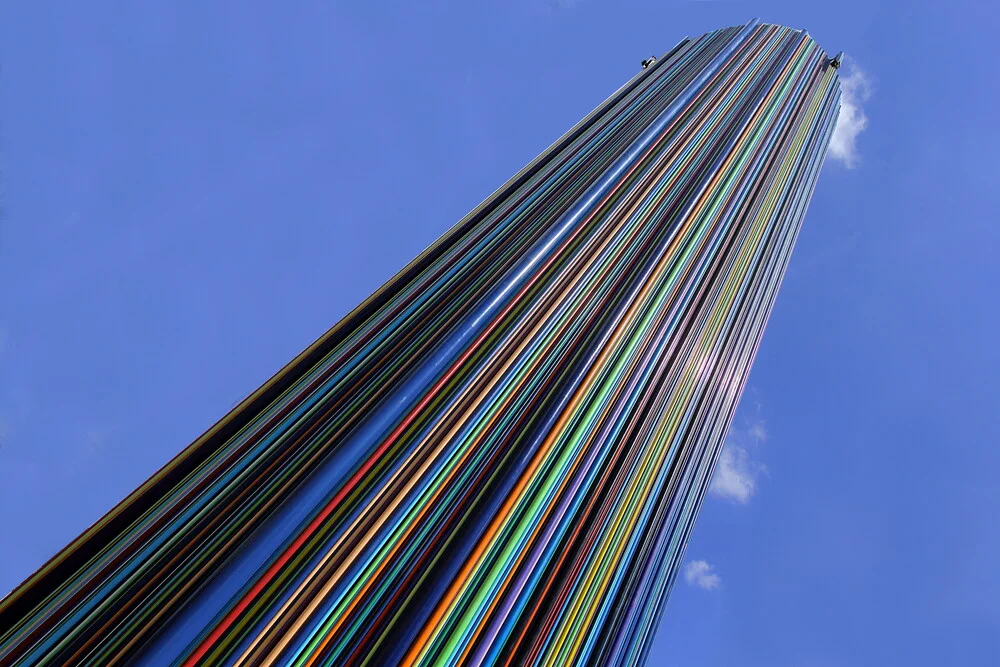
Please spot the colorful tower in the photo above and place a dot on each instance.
(499, 456)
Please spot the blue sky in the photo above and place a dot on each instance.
(193, 193)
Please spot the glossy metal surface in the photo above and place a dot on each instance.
(500, 455)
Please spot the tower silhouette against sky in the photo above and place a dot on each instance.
(498, 456)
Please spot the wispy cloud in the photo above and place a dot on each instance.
(699, 573)
(735, 476)
(757, 432)
(736, 473)
(856, 89)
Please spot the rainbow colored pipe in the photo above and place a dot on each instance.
(499, 456)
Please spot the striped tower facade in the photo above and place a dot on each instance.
(498, 457)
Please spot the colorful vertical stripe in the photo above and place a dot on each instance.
(499, 456)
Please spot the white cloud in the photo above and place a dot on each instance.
(735, 476)
(699, 573)
(736, 473)
(856, 89)
(757, 432)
